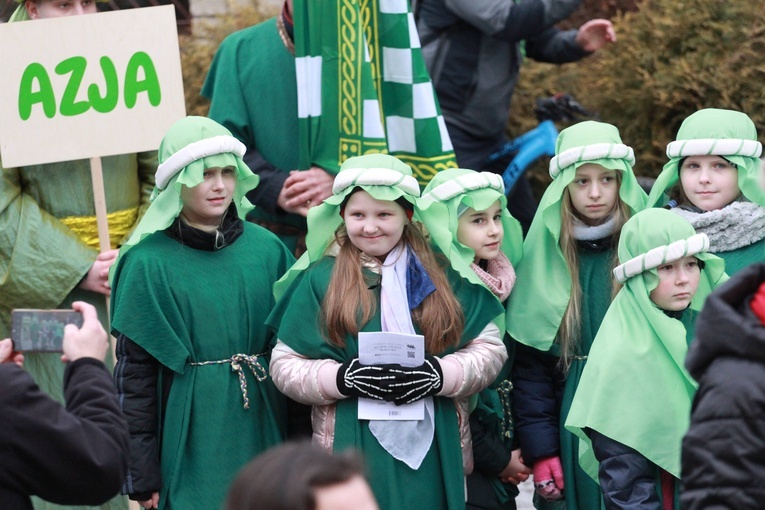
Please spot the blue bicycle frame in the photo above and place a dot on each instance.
(527, 147)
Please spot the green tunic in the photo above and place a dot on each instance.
(582, 492)
(740, 258)
(253, 92)
(439, 482)
(42, 261)
(187, 306)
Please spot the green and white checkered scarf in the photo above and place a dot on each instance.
(363, 87)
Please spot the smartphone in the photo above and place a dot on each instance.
(41, 330)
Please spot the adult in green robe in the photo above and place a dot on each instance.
(253, 92)
(188, 309)
(737, 230)
(635, 389)
(543, 387)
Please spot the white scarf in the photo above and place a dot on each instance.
(407, 441)
(584, 232)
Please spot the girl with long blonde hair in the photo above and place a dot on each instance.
(369, 268)
(562, 292)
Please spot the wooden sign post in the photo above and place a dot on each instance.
(84, 87)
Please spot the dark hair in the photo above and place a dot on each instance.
(286, 476)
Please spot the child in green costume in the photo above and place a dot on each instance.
(633, 403)
(562, 293)
(466, 214)
(192, 289)
(712, 181)
(369, 268)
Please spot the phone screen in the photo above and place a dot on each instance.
(41, 330)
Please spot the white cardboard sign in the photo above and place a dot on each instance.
(92, 85)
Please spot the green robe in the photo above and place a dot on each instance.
(581, 491)
(740, 258)
(252, 87)
(439, 482)
(183, 306)
(42, 261)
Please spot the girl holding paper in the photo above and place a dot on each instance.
(369, 268)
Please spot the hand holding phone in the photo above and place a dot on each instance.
(41, 330)
(88, 341)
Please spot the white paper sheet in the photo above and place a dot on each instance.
(377, 348)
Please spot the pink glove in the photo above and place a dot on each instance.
(548, 478)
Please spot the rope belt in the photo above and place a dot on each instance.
(251, 360)
(86, 227)
(504, 391)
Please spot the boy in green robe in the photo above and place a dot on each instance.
(191, 292)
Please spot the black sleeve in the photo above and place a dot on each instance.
(537, 391)
(135, 377)
(627, 479)
(271, 182)
(555, 46)
(490, 455)
(70, 456)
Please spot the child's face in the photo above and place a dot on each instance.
(374, 226)
(42, 9)
(205, 204)
(594, 192)
(709, 182)
(678, 282)
(482, 231)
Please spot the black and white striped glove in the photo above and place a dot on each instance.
(365, 381)
(417, 382)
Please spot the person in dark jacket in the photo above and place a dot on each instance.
(474, 52)
(71, 456)
(723, 455)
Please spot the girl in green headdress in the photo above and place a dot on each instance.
(633, 403)
(561, 295)
(192, 289)
(368, 268)
(466, 214)
(712, 181)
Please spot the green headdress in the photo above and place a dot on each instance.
(384, 177)
(543, 288)
(190, 146)
(726, 133)
(439, 208)
(635, 371)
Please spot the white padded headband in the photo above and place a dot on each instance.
(714, 147)
(375, 177)
(195, 151)
(463, 184)
(662, 255)
(591, 153)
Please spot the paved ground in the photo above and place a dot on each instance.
(523, 501)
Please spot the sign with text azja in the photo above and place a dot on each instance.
(91, 85)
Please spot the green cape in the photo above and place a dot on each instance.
(725, 133)
(635, 388)
(184, 138)
(543, 288)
